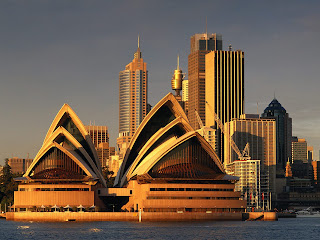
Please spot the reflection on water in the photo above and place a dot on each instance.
(299, 228)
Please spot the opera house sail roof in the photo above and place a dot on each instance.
(67, 153)
(165, 146)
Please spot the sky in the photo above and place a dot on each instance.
(71, 51)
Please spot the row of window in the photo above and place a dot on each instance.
(53, 189)
(196, 198)
(182, 210)
(191, 189)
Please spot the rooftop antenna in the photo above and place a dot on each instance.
(258, 109)
(178, 65)
(137, 54)
(274, 94)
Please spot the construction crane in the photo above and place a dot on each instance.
(201, 125)
(199, 119)
(241, 155)
(205, 130)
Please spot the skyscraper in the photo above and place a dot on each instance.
(133, 99)
(284, 132)
(224, 88)
(133, 83)
(299, 150)
(100, 139)
(261, 135)
(185, 95)
(200, 45)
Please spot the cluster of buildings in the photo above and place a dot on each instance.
(196, 150)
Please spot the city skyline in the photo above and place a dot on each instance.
(57, 52)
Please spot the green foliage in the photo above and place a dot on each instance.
(7, 185)
(108, 176)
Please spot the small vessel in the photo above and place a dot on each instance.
(308, 212)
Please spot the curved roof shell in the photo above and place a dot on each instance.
(72, 146)
(165, 145)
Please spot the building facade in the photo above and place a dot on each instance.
(185, 95)
(260, 134)
(114, 163)
(201, 44)
(100, 139)
(316, 173)
(224, 89)
(19, 165)
(299, 150)
(133, 95)
(310, 153)
(98, 134)
(224, 86)
(283, 133)
(249, 183)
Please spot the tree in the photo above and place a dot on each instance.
(107, 175)
(7, 184)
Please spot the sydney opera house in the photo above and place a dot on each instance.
(168, 167)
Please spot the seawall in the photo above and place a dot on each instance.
(133, 216)
(263, 216)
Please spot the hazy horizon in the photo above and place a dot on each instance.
(56, 52)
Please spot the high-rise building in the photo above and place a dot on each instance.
(283, 132)
(185, 95)
(133, 83)
(114, 163)
(299, 149)
(249, 183)
(224, 85)
(133, 99)
(261, 136)
(19, 165)
(316, 172)
(310, 153)
(98, 134)
(201, 44)
(224, 89)
(100, 139)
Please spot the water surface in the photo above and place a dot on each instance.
(298, 228)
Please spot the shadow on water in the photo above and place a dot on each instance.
(282, 229)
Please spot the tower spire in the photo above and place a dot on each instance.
(178, 63)
(137, 54)
(176, 81)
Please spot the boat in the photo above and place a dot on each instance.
(308, 212)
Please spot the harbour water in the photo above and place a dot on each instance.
(292, 228)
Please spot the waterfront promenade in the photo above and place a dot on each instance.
(134, 216)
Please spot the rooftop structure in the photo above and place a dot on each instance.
(200, 45)
(66, 169)
(167, 159)
(283, 133)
